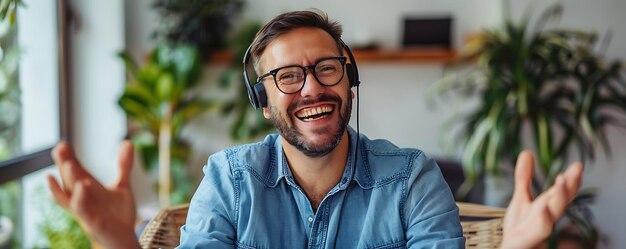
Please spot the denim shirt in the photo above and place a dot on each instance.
(388, 198)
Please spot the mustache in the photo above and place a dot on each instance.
(325, 97)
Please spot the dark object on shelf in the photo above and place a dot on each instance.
(427, 32)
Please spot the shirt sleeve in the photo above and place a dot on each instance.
(210, 220)
(431, 214)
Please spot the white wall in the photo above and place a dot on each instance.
(381, 20)
(393, 104)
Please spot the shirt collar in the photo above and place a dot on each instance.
(283, 171)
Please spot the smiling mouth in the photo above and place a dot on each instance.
(314, 113)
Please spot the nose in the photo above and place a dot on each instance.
(311, 87)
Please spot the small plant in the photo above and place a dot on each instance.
(58, 226)
(62, 230)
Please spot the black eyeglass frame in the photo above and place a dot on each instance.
(274, 72)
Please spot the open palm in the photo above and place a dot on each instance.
(106, 213)
(529, 221)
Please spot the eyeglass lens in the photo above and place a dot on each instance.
(327, 72)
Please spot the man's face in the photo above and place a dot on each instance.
(314, 119)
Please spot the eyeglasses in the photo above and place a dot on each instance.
(290, 79)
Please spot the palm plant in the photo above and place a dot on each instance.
(545, 86)
(159, 99)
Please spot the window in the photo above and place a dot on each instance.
(33, 103)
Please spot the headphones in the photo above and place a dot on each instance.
(256, 91)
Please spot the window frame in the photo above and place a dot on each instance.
(17, 167)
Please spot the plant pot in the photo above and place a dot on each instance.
(571, 236)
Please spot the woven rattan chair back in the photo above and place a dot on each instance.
(482, 226)
(163, 231)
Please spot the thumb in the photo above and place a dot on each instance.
(126, 156)
(523, 177)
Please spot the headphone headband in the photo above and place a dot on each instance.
(256, 91)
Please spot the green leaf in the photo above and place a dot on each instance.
(129, 64)
(148, 76)
(183, 60)
(136, 106)
(165, 87)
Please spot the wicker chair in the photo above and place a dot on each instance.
(482, 226)
(163, 231)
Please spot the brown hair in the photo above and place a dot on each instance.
(286, 22)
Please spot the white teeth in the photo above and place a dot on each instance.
(307, 113)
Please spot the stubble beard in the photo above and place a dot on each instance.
(294, 137)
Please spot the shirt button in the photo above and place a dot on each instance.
(310, 219)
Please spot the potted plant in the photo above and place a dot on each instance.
(159, 100)
(199, 23)
(542, 86)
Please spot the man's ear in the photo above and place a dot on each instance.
(266, 112)
(352, 91)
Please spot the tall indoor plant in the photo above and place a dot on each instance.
(159, 99)
(160, 96)
(544, 86)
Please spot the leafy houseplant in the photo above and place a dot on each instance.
(545, 86)
(159, 99)
(200, 23)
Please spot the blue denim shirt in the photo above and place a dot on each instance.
(389, 198)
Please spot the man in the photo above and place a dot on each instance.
(317, 184)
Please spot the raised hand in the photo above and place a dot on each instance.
(528, 222)
(107, 214)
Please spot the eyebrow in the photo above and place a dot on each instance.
(316, 61)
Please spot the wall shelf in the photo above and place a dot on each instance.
(437, 55)
(405, 55)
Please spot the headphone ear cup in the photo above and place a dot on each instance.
(351, 75)
(260, 94)
(251, 94)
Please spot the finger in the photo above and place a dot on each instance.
(59, 196)
(63, 155)
(573, 179)
(126, 164)
(523, 177)
(71, 173)
(63, 152)
(556, 197)
(79, 204)
(87, 193)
